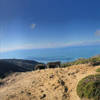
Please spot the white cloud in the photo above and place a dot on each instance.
(97, 32)
(32, 46)
(29, 46)
(33, 26)
(47, 45)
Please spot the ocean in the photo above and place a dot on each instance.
(65, 54)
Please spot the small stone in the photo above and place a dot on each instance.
(43, 96)
(51, 76)
(61, 82)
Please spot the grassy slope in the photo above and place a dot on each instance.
(83, 61)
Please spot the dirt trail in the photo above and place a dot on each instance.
(48, 84)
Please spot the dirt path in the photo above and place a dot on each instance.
(49, 84)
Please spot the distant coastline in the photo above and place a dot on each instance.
(53, 54)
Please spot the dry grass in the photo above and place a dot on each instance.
(48, 84)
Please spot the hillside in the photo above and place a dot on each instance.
(48, 84)
(15, 65)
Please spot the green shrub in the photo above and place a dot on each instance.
(93, 61)
(98, 70)
(89, 87)
(81, 61)
(76, 62)
(66, 64)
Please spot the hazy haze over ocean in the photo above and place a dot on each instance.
(54, 54)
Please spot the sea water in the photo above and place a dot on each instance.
(65, 54)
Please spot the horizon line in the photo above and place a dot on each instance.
(47, 46)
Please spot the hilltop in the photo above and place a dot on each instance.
(47, 84)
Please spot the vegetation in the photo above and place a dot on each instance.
(98, 70)
(8, 66)
(24, 64)
(93, 61)
(89, 87)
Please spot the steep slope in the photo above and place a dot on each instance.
(15, 65)
(26, 64)
(48, 84)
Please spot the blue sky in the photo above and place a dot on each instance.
(35, 24)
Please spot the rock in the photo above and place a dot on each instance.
(53, 64)
(61, 82)
(51, 76)
(40, 66)
(43, 96)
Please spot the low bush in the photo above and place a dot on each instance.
(98, 70)
(89, 87)
(76, 62)
(93, 61)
